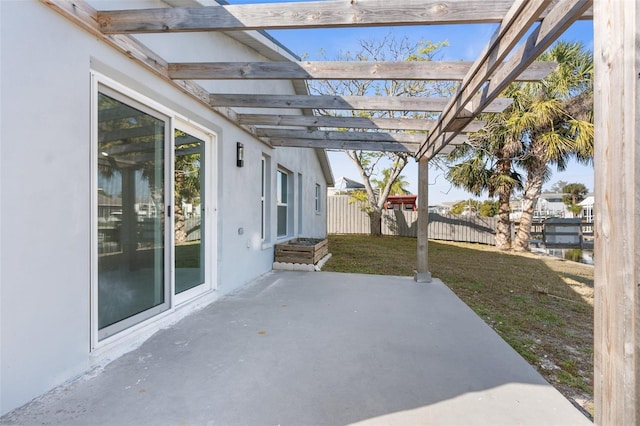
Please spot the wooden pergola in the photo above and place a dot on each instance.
(525, 29)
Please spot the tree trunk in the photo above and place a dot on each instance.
(375, 199)
(375, 220)
(504, 191)
(180, 231)
(503, 228)
(532, 190)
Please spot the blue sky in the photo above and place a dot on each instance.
(465, 43)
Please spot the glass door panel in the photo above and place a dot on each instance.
(131, 239)
(189, 202)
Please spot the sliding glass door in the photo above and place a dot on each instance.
(132, 283)
(153, 240)
(190, 228)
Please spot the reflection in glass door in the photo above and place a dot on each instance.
(131, 282)
(189, 202)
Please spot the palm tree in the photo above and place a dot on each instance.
(573, 194)
(487, 164)
(398, 185)
(555, 122)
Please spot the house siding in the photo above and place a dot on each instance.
(46, 191)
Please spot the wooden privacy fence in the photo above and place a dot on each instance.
(345, 218)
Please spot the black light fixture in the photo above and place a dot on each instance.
(239, 154)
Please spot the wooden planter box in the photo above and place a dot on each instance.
(302, 250)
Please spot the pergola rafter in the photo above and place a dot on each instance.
(348, 122)
(338, 70)
(326, 102)
(334, 142)
(337, 135)
(350, 145)
(319, 14)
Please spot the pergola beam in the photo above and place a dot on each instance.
(319, 14)
(353, 144)
(558, 19)
(338, 70)
(183, 146)
(338, 135)
(449, 148)
(128, 133)
(368, 103)
(564, 13)
(406, 147)
(336, 121)
(347, 122)
(515, 24)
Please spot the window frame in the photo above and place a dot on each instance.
(286, 194)
(299, 192)
(265, 234)
(135, 100)
(318, 199)
(210, 215)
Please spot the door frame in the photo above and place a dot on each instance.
(210, 211)
(174, 121)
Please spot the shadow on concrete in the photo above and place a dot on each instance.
(296, 348)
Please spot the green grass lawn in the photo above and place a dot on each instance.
(542, 306)
(188, 255)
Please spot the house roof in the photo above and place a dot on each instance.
(588, 201)
(346, 183)
(407, 199)
(550, 195)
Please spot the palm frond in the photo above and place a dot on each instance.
(555, 145)
(470, 175)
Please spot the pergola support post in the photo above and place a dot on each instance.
(422, 274)
(617, 212)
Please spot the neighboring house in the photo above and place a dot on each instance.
(401, 202)
(549, 204)
(442, 208)
(587, 208)
(345, 185)
(91, 262)
(515, 207)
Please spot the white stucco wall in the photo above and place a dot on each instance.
(45, 187)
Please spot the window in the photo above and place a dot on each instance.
(318, 198)
(283, 203)
(262, 206)
(191, 193)
(264, 210)
(300, 206)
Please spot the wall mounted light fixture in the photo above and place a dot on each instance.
(239, 154)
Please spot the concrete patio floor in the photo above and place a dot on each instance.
(299, 348)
